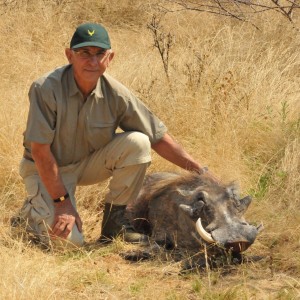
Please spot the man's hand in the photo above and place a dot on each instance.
(213, 177)
(65, 217)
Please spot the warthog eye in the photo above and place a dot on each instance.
(198, 207)
(202, 196)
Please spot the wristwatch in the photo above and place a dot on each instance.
(62, 198)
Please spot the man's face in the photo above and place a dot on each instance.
(89, 63)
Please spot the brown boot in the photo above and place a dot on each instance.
(115, 223)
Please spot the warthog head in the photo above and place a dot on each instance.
(190, 210)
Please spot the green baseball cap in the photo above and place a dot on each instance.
(90, 34)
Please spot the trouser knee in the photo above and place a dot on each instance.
(139, 141)
(138, 147)
(127, 149)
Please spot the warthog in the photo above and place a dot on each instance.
(189, 211)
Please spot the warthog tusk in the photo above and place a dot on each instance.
(203, 233)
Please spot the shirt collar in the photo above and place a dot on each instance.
(73, 88)
(98, 89)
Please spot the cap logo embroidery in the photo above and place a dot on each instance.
(91, 33)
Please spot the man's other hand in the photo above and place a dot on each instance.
(65, 217)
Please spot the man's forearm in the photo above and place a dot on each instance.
(169, 149)
(65, 215)
(48, 170)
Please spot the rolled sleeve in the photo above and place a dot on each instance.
(139, 118)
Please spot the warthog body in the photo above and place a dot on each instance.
(169, 206)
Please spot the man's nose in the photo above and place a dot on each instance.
(94, 59)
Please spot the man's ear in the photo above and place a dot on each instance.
(69, 54)
(111, 55)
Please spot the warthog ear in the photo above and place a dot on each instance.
(184, 193)
(233, 191)
(244, 203)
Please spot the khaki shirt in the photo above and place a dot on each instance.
(58, 115)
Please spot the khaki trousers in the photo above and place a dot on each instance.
(125, 159)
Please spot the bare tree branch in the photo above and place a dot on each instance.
(162, 41)
(237, 9)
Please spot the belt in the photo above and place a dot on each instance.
(26, 156)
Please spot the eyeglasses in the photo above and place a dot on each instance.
(86, 54)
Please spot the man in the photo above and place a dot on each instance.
(71, 140)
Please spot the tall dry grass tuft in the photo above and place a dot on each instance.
(231, 98)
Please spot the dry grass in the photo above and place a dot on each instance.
(232, 99)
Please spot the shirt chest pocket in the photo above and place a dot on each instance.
(100, 133)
